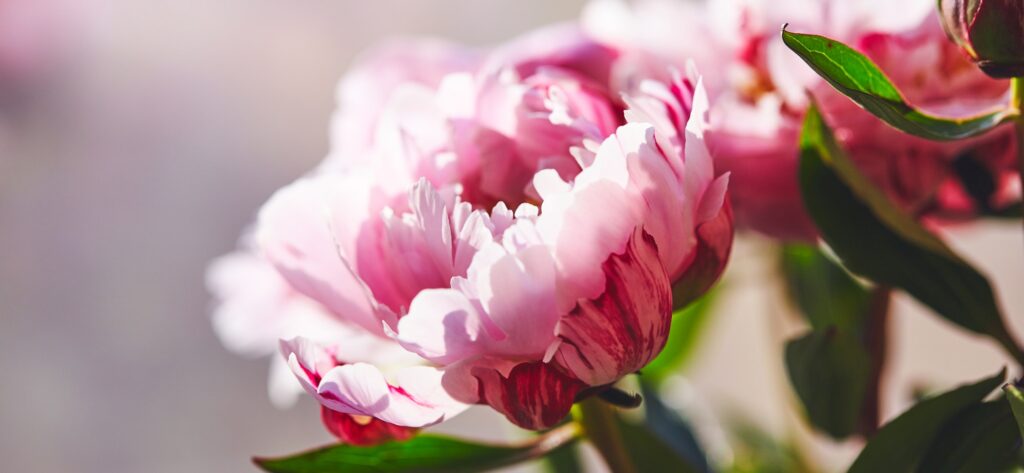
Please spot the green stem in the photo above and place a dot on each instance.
(876, 336)
(601, 427)
(1017, 103)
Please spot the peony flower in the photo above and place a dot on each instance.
(510, 237)
(759, 93)
(553, 301)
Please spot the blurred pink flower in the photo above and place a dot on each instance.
(759, 90)
(451, 297)
(372, 80)
(36, 37)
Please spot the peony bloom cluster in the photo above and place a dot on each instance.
(503, 227)
(759, 91)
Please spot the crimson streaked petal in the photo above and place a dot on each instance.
(534, 395)
(625, 327)
(362, 430)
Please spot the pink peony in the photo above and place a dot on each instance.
(759, 91)
(372, 81)
(507, 239)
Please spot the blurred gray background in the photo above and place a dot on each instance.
(140, 137)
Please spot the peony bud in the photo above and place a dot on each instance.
(990, 31)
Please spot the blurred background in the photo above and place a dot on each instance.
(138, 138)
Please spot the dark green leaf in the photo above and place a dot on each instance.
(978, 181)
(674, 430)
(823, 291)
(982, 439)
(1016, 399)
(901, 444)
(857, 77)
(829, 371)
(981, 186)
(422, 454)
(683, 338)
(877, 241)
(1013, 211)
(564, 460)
(648, 452)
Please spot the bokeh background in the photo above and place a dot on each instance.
(138, 138)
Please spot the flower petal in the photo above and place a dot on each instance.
(294, 234)
(533, 396)
(714, 243)
(625, 327)
(361, 389)
(361, 430)
(442, 325)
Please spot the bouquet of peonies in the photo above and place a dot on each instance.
(523, 226)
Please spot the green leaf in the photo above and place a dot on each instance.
(756, 451)
(1016, 400)
(823, 291)
(901, 444)
(981, 186)
(982, 439)
(669, 426)
(422, 454)
(648, 452)
(563, 460)
(857, 77)
(877, 241)
(828, 367)
(829, 371)
(683, 338)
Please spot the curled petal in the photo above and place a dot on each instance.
(361, 389)
(361, 430)
(533, 396)
(411, 397)
(714, 243)
(624, 328)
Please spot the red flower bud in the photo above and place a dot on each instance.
(990, 31)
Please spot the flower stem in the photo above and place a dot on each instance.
(876, 335)
(1017, 104)
(601, 427)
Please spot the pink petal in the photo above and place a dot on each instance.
(416, 400)
(714, 243)
(516, 290)
(294, 235)
(361, 430)
(307, 361)
(625, 327)
(442, 325)
(533, 395)
(253, 303)
(567, 219)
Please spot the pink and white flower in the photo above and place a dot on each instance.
(759, 89)
(514, 246)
